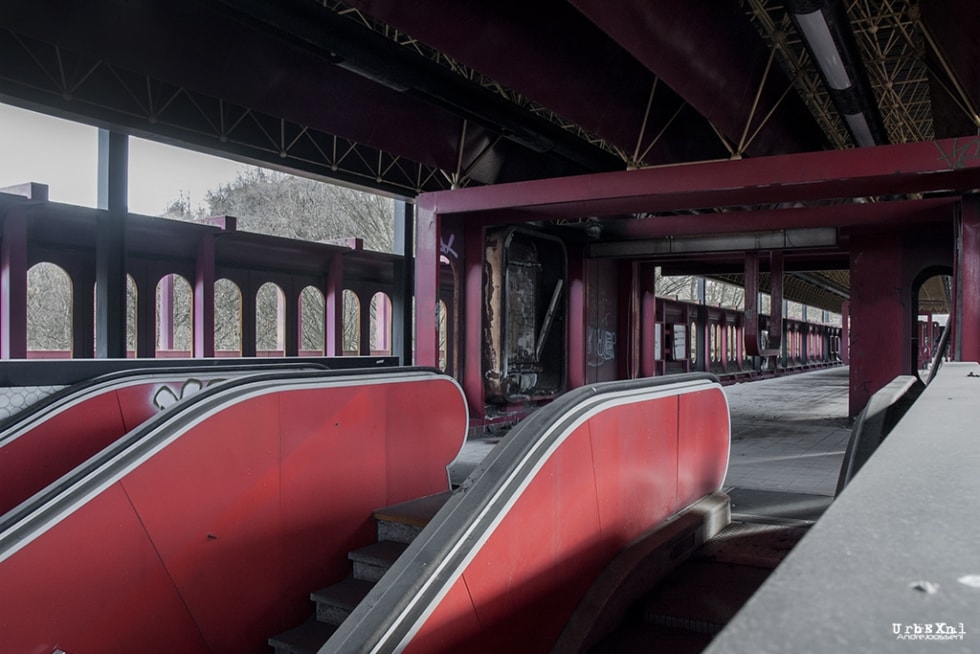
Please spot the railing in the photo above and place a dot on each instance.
(694, 337)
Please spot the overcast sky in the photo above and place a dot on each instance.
(63, 155)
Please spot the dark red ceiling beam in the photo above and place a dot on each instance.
(930, 166)
(844, 215)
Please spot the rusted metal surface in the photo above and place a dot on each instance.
(523, 349)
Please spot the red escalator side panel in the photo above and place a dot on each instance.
(235, 523)
(704, 446)
(635, 455)
(136, 402)
(66, 439)
(56, 446)
(333, 477)
(409, 442)
(625, 470)
(210, 505)
(77, 593)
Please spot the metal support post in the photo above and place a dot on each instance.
(401, 299)
(110, 248)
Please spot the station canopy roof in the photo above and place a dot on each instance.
(410, 97)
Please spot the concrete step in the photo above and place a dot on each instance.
(398, 525)
(372, 561)
(304, 639)
(334, 603)
(401, 523)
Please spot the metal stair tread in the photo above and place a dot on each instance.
(307, 638)
(345, 594)
(383, 553)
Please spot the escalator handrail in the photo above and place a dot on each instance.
(397, 605)
(15, 425)
(27, 521)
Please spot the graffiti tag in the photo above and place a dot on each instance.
(601, 346)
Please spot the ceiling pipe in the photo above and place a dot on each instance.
(828, 37)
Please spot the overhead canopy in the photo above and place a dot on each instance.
(406, 97)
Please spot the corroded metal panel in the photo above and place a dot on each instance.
(523, 327)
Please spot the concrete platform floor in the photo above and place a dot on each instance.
(789, 433)
(788, 438)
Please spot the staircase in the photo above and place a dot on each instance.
(693, 603)
(398, 525)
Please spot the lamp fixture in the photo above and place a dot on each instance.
(826, 33)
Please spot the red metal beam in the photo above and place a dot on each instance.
(843, 215)
(927, 166)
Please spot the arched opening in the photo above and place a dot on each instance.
(227, 318)
(49, 312)
(311, 317)
(352, 323)
(932, 301)
(381, 324)
(270, 326)
(173, 323)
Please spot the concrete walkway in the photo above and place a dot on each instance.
(788, 438)
(789, 433)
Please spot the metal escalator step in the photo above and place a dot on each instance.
(334, 603)
(372, 561)
(304, 639)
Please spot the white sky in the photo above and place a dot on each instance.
(63, 155)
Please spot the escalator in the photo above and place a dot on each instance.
(507, 562)
(207, 528)
(53, 436)
(201, 529)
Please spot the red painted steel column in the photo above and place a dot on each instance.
(333, 308)
(471, 266)
(629, 323)
(166, 315)
(146, 312)
(775, 300)
(753, 346)
(364, 322)
(291, 320)
(426, 285)
(83, 304)
(648, 320)
(878, 333)
(968, 281)
(577, 320)
(204, 299)
(13, 286)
